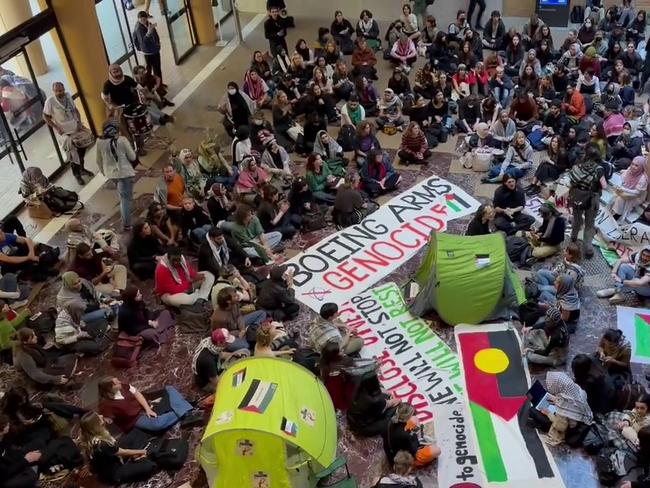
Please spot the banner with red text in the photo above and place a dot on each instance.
(353, 259)
(415, 364)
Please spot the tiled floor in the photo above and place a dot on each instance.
(194, 116)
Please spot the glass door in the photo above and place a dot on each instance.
(181, 28)
(116, 33)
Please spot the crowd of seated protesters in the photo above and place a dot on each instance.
(572, 102)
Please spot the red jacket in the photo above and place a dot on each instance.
(576, 106)
(165, 283)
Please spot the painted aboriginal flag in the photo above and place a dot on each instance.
(496, 382)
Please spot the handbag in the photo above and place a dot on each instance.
(169, 454)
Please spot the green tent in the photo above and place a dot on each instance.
(272, 425)
(467, 279)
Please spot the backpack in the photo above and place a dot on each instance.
(59, 200)
(42, 323)
(612, 464)
(577, 15)
(169, 454)
(193, 318)
(345, 138)
(126, 350)
(582, 181)
(535, 138)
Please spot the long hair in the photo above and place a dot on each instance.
(93, 431)
(105, 387)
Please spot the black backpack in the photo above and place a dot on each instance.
(60, 201)
(169, 454)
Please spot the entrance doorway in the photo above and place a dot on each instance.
(181, 28)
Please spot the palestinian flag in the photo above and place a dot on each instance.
(635, 325)
(258, 396)
(496, 382)
(455, 203)
(288, 427)
(238, 378)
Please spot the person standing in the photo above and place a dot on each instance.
(147, 41)
(586, 181)
(470, 11)
(114, 160)
(60, 113)
(275, 30)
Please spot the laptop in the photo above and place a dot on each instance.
(540, 398)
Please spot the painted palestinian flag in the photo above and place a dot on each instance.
(635, 325)
(496, 382)
(238, 378)
(455, 203)
(258, 396)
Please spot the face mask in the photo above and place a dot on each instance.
(231, 91)
(257, 122)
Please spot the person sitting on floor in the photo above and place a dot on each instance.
(273, 213)
(72, 334)
(631, 275)
(329, 328)
(78, 233)
(134, 319)
(545, 278)
(38, 364)
(350, 206)
(378, 175)
(568, 300)
(227, 315)
(218, 250)
(162, 226)
(95, 308)
(615, 352)
(265, 339)
(248, 232)
(602, 394)
(414, 148)
(547, 341)
(509, 203)
(404, 434)
(546, 240)
(480, 224)
(213, 355)
(18, 466)
(518, 160)
(143, 251)
(401, 476)
(111, 463)
(571, 407)
(390, 110)
(633, 190)
(322, 182)
(371, 410)
(623, 427)
(277, 295)
(177, 283)
(194, 221)
(128, 408)
(107, 277)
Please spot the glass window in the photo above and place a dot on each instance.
(115, 30)
(223, 8)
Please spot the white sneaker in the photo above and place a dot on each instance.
(617, 299)
(606, 293)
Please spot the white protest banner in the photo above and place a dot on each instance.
(415, 364)
(350, 261)
(635, 325)
(458, 464)
(623, 239)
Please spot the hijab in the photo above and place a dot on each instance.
(254, 89)
(206, 343)
(386, 104)
(111, 78)
(570, 399)
(567, 295)
(327, 151)
(634, 175)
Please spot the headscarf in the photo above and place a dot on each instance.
(590, 52)
(329, 151)
(254, 89)
(570, 399)
(69, 278)
(633, 176)
(567, 295)
(174, 271)
(111, 131)
(67, 294)
(385, 104)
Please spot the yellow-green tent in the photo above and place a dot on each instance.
(272, 426)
